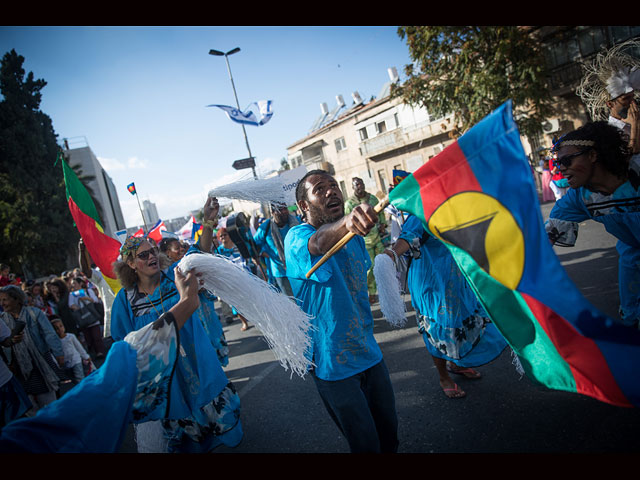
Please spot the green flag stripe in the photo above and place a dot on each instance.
(406, 196)
(77, 191)
(538, 355)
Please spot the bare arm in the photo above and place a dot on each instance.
(360, 221)
(187, 286)
(399, 248)
(83, 259)
(210, 221)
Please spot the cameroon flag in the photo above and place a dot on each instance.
(478, 197)
(104, 250)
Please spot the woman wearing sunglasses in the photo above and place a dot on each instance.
(604, 186)
(204, 409)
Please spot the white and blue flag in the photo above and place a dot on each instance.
(257, 113)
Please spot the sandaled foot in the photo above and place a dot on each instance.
(455, 392)
(467, 372)
(245, 328)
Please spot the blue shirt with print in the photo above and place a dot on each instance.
(336, 295)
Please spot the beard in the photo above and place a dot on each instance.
(322, 217)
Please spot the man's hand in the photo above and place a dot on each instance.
(361, 219)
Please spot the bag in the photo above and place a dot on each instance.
(87, 315)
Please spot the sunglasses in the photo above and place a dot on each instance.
(566, 160)
(145, 255)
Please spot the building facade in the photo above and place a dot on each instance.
(370, 140)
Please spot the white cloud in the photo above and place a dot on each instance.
(135, 162)
(111, 164)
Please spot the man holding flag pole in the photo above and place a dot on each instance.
(478, 198)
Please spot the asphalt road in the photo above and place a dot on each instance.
(502, 412)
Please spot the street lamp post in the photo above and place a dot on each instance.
(226, 57)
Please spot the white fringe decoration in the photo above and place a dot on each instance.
(391, 301)
(284, 325)
(258, 191)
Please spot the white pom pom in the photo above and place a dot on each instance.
(284, 325)
(391, 301)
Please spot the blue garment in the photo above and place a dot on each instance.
(42, 333)
(336, 295)
(620, 215)
(94, 416)
(198, 379)
(264, 240)
(453, 323)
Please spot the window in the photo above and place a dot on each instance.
(340, 144)
(363, 134)
(381, 127)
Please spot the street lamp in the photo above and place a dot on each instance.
(218, 53)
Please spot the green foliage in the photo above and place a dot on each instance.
(468, 71)
(36, 229)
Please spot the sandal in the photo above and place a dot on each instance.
(467, 372)
(455, 392)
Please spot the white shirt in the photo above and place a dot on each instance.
(107, 296)
(73, 350)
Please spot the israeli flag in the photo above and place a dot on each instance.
(257, 113)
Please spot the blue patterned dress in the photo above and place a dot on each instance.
(200, 393)
(453, 323)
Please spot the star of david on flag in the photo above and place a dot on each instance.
(256, 113)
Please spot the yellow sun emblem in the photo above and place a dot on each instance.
(480, 225)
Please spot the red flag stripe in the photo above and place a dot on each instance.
(588, 365)
(448, 173)
(103, 249)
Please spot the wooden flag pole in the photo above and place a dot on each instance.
(343, 241)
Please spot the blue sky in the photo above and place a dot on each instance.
(138, 96)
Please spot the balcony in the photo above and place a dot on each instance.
(403, 136)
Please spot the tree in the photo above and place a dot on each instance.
(468, 71)
(37, 234)
(284, 164)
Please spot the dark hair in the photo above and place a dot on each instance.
(301, 191)
(61, 284)
(611, 146)
(165, 242)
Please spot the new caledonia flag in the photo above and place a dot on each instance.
(478, 197)
(104, 250)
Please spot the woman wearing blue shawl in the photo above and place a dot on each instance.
(204, 408)
(604, 186)
(133, 385)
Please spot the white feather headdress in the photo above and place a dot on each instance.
(610, 74)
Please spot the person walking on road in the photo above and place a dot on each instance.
(455, 328)
(350, 373)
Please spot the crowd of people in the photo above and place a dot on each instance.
(168, 347)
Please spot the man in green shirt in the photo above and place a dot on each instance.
(373, 241)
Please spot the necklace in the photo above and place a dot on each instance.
(149, 300)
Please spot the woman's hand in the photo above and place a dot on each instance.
(188, 286)
(211, 209)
